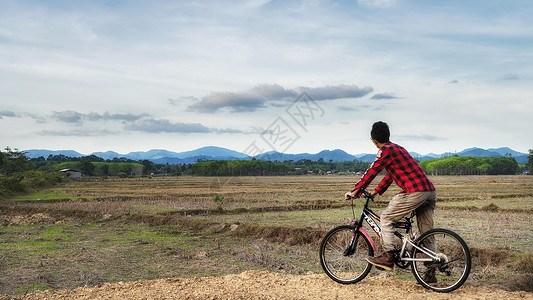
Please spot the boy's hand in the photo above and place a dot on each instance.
(351, 195)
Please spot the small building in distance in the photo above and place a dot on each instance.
(71, 173)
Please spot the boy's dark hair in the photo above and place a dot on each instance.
(380, 132)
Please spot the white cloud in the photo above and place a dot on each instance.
(68, 116)
(237, 102)
(257, 97)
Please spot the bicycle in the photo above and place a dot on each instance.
(344, 250)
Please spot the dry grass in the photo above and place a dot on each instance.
(513, 193)
(265, 222)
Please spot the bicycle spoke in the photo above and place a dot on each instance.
(342, 268)
(451, 266)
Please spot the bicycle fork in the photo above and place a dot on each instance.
(353, 244)
(357, 232)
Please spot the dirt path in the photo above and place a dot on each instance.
(267, 285)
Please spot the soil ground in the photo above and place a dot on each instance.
(268, 285)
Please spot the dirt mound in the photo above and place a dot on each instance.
(268, 285)
(26, 220)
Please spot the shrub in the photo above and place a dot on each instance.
(28, 181)
(218, 202)
(12, 183)
(525, 263)
(36, 180)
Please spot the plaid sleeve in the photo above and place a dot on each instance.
(384, 184)
(377, 166)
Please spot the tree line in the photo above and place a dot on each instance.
(18, 173)
(95, 166)
(267, 168)
(458, 165)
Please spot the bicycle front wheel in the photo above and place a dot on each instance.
(452, 267)
(339, 265)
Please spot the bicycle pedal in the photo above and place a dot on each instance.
(379, 268)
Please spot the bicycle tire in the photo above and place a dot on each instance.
(345, 269)
(454, 268)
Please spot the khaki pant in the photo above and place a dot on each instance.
(400, 206)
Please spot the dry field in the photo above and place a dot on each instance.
(91, 232)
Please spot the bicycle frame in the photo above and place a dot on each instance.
(369, 216)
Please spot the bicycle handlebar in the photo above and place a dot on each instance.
(366, 193)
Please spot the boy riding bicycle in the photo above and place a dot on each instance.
(416, 190)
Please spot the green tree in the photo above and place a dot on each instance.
(530, 161)
(87, 167)
(93, 158)
(148, 167)
(13, 161)
(105, 169)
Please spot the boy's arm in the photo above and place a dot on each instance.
(377, 166)
(384, 184)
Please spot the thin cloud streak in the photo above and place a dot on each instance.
(79, 132)
(160, 126)
(384, 96)
(70, 116)
(420, 137)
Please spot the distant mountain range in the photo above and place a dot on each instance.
(217, 153)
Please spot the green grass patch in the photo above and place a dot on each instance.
(52, 195)
(43, 196)
(151, 209)
(520, 203)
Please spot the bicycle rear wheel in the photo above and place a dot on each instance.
(452, 268)
(340, 267)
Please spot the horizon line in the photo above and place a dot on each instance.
(274, 151)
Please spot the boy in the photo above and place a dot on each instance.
(416, 189)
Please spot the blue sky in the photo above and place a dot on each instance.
(296, 76)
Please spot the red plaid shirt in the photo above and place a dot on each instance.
(401, 168)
